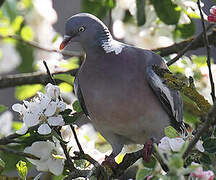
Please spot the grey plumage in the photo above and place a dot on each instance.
(117, 88)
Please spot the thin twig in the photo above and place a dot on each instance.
(128, 160)
(49, 74)
(209, 119)
(18, 153)
(68, 157)
(9, 139)
(208, 53)
(97, 169)
(36, 45)
(177, 47)
(77, 140)
(188, 47)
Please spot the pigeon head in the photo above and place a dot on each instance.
(86, 29)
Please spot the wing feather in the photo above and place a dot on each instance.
(170, 99)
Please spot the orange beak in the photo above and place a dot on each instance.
(65, 41)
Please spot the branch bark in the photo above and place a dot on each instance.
(29, 78)
(175, 48)
(37, 77)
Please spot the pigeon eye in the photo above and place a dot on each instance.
(81, 29)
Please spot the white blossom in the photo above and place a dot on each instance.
(10, 58)
(44, 110)
(52, 91)
(51, 156)
(167, 144)
(6, 123)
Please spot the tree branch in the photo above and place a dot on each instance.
(38, 46)
(189, 45)
(177, 47)
(208, 53)
(37, 77)
(29, 78)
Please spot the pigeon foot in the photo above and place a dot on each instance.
(110, 162)
(147, 150)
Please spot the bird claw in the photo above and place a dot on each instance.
(147, 150)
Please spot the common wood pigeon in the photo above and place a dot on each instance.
(117, 88)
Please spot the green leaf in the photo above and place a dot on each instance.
(16, 125)
(98, 7)
(185, 30)
(3, 108)
(22, 169)
(66, 112)
(9, 9)
(210, 145)
(171, 132)
(150, 164)
(2, 165)
(167, 11)
(17, 23)
(76, 106)
(27, 91)
(65, 87)
(26, 3)
(55, 38)
(27, 56)
(190, 118)
(176, 161)
(140, 13)
(200, 61)
(70, 119)
(65, 77)
(143, 173)
(72, 63)
(27, 33)
(205, 159)
(60, 177)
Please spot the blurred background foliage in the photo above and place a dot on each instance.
(144, 23)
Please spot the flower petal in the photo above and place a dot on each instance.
(199, 146)
(18, 108)
(41, 149)
(30, 119)
(61, 105)
(164, 144)
(176, 144)
(44, 129)
(23, 129)
(56, 166)
(56, 121)
(44, 100)
(52, 91)
(51, 109)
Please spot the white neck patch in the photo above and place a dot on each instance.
(112, 45)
